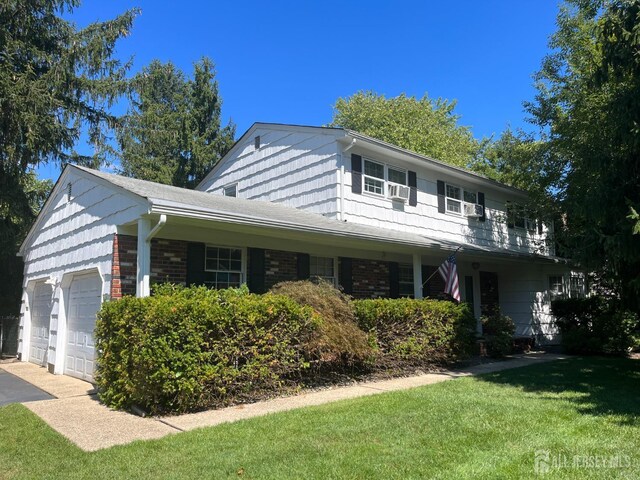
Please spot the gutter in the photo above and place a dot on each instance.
(180, 210)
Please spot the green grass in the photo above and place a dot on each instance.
(483, 427)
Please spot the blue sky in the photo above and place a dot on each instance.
(288, 61)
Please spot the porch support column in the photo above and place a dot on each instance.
(417, 275)
(144, 258)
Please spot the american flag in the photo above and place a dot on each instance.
(449, 272)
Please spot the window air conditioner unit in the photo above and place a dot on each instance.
(399, 192)
(473, 210)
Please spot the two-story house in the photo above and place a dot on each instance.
(287, 202)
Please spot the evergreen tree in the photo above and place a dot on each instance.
(172, 133)
(56, 81)
(588, 109)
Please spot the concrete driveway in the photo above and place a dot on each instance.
(16, 390)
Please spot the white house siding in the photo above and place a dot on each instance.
(425, 219)
(523, 297)
(296, 166)
(74, 234)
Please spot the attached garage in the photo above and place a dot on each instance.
(40, 307)
(85, 295)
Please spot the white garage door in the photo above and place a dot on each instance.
(85, 293)
(40, 315)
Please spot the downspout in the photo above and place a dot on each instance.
(351, 145)
(143, 264)
(154, 231)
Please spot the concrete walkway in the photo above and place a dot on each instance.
(92, 426)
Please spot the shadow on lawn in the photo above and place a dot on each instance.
(596, 385)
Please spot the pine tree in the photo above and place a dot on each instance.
(172, 133)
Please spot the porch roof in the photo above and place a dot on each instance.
(181, 202)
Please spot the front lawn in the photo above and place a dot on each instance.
(483, 427)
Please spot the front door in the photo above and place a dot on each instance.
(489, 297)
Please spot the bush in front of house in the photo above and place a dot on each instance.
(596, 325)
(410, 332)
(337, 342)
(498, 330)
(185, 349)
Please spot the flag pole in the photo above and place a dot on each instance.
(436, 270)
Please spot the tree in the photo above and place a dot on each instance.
(172, 132)
(422, 125)
(588, 109)
(56, 81)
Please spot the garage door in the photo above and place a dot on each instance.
(40, 307)
(84, 302)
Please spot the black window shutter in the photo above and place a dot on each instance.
(539, 227)
(510, 215)
(426, 286)
(394, 280)
(195, 263)
(356, 173)
(255, 277)
(413, 189)
(346, 274)
(441, 207)
(481, 202)
(304, 261)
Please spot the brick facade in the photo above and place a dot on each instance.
(370, 278)
(123, 266)
(279, 267)
(168, 263)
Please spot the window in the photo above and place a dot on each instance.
(405, 280)
(455, 196)
(373, 177)
(556, 287)
(231, 190)
(397, 176)
(377, 174)
(225, 264)
(322, 267)
(517, 216)
(577, 286)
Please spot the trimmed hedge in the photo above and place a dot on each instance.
(338, 342)
(185, 349)
(596, 325)
(411, 332)
(498, 332)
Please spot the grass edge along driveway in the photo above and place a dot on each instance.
(582, 413)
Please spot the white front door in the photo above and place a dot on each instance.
(85, 295)
(40, 306)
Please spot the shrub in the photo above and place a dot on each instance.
(596, 325)
(417, 332)
(498, 332)
(337, 342)
(185, 349)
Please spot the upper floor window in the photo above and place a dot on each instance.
(231, 190)
(225, 264)
(373, 177)
(455, 196)
(517, 216)
(322, 267)
(377, 174)
(397, 176)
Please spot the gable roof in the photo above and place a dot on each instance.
(347, 136)
(176, 201)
